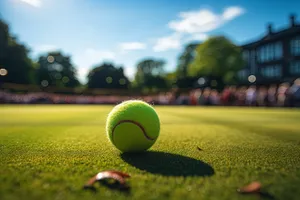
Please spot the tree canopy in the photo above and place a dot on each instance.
(217, 57)
(107, 75)
(56, 69)
(150, 74)
(14, 60)
(185, 59)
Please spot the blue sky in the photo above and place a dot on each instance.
(124, 32)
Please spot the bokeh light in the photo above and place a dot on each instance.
(252, 78)
(44, 83)
(201, 81)
(213, 83)
(3, 72)
(109, 79)
(50, 59)
(65, 79)
(122, 81)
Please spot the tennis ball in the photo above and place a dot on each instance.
(133, 126)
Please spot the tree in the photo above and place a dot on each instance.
(15, 65)
(217, 58)
(150, 74)
(107, 76)
(56, 70)
(185, 59)
(183, 80)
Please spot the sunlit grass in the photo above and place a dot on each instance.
(49, 152)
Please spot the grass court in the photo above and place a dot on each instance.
(49, 152)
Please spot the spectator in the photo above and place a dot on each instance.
(162, 99)
(241, 96)
(282, 94)
(271, 96)
(295, 93)
(225, 96)
(183, 99)
(251, 96)
(205, 97)
(261, 98)
(232, 95)
(214, 98)
(193, 98)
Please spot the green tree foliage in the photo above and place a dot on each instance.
(217, 57)
(56, 70)
(16, 66)
(150, 74)
(183, 80)
(107, 76)
(185, 59)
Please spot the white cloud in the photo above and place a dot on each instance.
(232, 12)
(198, 37)
(196, 22)
(132, 46)
(195, 25)
(203, 20)
(166, 43)
(34, 3)
(45, 48)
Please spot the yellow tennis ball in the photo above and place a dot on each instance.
(133, 126)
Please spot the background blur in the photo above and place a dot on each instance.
(167, 53)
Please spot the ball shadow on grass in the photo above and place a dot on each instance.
(168, 164)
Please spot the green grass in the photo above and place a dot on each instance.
(49, 152)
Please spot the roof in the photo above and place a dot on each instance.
(287, 32)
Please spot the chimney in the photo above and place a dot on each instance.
(292, 20)
(270, 28)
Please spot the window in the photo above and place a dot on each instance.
(295, 67)
(272, 71)
(278, 50)
(253, 62)
(295, 46)
(270, 52)
(246, 55)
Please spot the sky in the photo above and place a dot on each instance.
(125, 32)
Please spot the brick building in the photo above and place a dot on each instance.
(274, 58)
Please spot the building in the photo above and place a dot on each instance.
(273, 59)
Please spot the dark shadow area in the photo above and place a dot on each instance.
(262, 195)
(266, 195)
(167, 164)
(112, 186)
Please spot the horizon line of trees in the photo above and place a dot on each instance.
(217, 61)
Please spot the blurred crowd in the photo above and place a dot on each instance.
(283, 95)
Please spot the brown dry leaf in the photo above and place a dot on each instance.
(117, 176)
(199, 149)
(253, 187)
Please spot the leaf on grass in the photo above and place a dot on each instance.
(113, 179)
(199, 149)
(253, 187)
(256, 189)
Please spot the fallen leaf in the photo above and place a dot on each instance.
(199, 148)
(110, 178)
(253, 187)
(256, 189)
